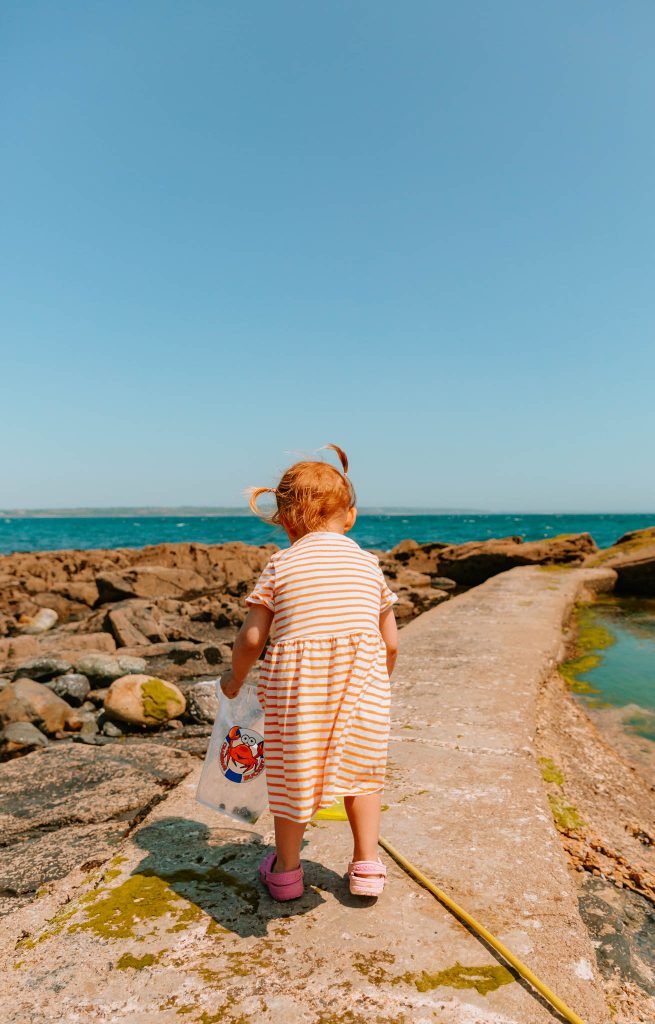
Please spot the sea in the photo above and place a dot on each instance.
(380, 529)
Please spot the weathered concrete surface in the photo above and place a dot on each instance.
(177, 928)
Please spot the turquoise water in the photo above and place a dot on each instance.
(382, 530)
(626, 671)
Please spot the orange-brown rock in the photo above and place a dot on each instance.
(17, 649)
(150, 581)
(181, 660)
(421, 557)
(25, 700)
(144, 700)
(472, 563)
(133, 623)
(633, 559)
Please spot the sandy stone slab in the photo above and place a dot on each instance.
(177, 927)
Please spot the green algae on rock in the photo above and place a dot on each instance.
(129, 962)
(591, 640)
(550, 772)
(591, 635)
(157, 696)
(113, 913)
(483, 979)
(565, 815)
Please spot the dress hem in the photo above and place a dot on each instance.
(323, 806)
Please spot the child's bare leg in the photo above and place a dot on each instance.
(288, 840)
(364, 817)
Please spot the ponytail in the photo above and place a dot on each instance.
(253, 494)
(343, 458)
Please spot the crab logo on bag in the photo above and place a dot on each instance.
(242, 754)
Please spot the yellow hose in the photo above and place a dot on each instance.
(507, 955)
(337, 812)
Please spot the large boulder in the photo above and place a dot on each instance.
(144, 700)
(66, 804)
(150, 581)
(473, 563)
(28, 701)
(633, 559)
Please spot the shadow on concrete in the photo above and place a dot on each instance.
(220, 874)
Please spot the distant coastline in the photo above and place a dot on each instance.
(196, 511)
(217, 511)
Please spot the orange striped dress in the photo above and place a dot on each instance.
(324, 685)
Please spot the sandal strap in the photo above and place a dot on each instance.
(285, 877)
(367, 868)
(280, 877)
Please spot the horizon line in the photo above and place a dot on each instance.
(217, 511)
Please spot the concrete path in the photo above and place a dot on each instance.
(176, 929)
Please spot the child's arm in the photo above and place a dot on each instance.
(248, 645)
(389, 631)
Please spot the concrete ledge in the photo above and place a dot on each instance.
(177, 929)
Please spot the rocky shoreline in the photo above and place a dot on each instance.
(99, 645)
(604, 810)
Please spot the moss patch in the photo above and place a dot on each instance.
(483, 979)
(141, 898)
(113, 869)
(129, 962)
(566, 816)
(591, 635)
(591, 639)
(550, 772)
(373, 965)
(572, 670)
(114, 913)
(156, 698)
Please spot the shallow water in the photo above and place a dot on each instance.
(625, 674)
(381, 529)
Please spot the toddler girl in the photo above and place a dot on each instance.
(324, 682)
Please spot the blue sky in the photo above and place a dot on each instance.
(235, 231)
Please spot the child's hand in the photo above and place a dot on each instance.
(229, 685)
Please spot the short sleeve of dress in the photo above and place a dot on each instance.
(387, 596)
(264, 590)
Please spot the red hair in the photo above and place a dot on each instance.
(308, 495)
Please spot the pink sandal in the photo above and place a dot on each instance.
(282, 885)
(366, 877)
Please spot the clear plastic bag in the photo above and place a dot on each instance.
(233, 778)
